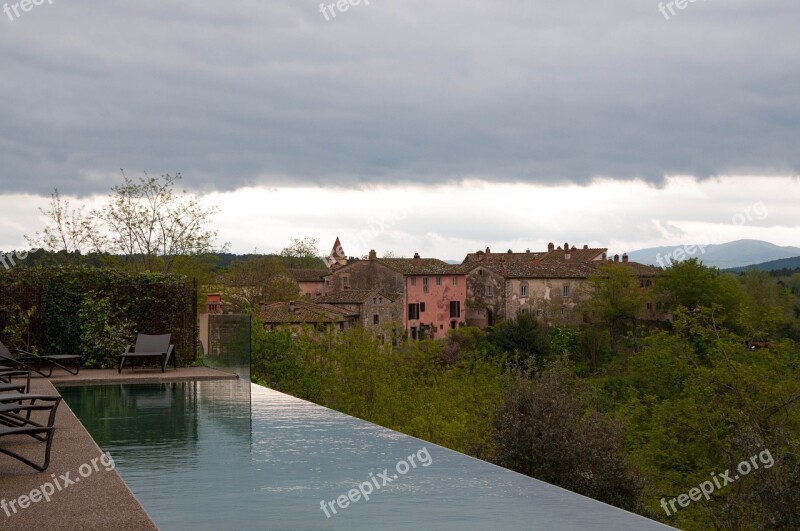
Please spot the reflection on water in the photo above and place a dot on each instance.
(197, 459)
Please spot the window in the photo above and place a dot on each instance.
(327, 282)
(413, 312)
(345, 281)
(374, 300)
(413, 281)
(490, 291)
(563, 312)
(438, 281)
(650, 306)
(376, 319)
(425, 284)
(455, 281)
(441, 327)
(422, 307)
(523, 291)
(566, 291)
(380, 300)
(480, 272)
(645, 283)
(455, 309)
(453, 325)
(341, 326)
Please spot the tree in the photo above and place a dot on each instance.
(258, 279)
(692, 285)
(546, 428)
(615, 298)
(152, 226)
(523, 339)
(303, 253)
(147, 222)
(767, 305)
(68, 229)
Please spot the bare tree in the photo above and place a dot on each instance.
(68, 229)
(152, 225)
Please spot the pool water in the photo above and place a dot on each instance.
(234, 455)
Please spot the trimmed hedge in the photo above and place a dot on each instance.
(88, 310)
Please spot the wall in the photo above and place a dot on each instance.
(437, 303)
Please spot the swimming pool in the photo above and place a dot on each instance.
(199, 457)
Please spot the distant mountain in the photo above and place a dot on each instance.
(724, 256)
(774, 265)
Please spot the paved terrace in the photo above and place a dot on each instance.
(101, 501)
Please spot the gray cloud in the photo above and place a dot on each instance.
(249, 92)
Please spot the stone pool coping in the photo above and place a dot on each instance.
(100, 501)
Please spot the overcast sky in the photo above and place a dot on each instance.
(444, 126)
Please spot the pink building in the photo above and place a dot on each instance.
(436, 298)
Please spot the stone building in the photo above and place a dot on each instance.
(298, 314)
(549, 283)
(378, 311)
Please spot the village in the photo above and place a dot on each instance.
(424, 298)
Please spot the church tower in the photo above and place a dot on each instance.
(337, 258)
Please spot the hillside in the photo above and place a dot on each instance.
(729, 255)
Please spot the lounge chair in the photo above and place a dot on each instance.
(13, 423)
(149, 348)
(51, 361)
(7, 384)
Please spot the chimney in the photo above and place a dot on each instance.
(625, 258)
(585, 247)
(551, 247)
(528, 250)
(488, 251)
(291, 307)
(373, 255)
(566, 246)
(416, 257)
(510, 251)
(616, 258)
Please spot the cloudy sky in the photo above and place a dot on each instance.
(431, 126)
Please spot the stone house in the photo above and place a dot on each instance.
(297, 314)
(550, 283)
(374, 308)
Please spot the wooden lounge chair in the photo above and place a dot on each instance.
(34, 359)
(150, 348)
(12, 422)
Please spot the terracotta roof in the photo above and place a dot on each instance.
(580, 255)
(640, 269)
(353, 296)
(421, 266)
(502, 257)
(309, 275)
(557, 268)
(552, 269)
(304, 312)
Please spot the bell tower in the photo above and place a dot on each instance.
(337, 258)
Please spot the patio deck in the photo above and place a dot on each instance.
(99, 501)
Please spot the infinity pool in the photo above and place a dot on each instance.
(199, 457)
